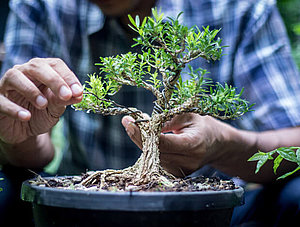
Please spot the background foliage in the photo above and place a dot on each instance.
(290, 11)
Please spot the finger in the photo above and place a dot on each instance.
(56, 106)
(15, 80)
(176, 143)
(177, 164)
(132, 130)
(177, 123)
(38, 70)
(64, 71)
(56, 101)
(12, 110)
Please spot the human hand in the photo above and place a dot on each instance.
(33, 96)
(193, 142)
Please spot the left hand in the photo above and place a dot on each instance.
(33, 96)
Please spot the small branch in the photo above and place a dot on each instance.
(190, 57)
(118, 109)
(191, 106)
(182, 46)
(165, 47)
(129, 81)
(141, 120)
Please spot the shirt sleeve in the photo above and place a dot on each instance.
(264, 67)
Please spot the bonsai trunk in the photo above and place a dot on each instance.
(147, 170)
(148, 165)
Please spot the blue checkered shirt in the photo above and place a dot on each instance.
(258, 59)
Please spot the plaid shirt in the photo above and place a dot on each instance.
(258, 59)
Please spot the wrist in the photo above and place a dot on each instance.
(5, 149)
(35, 152)
(236, 147)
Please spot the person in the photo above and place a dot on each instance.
(51, 46)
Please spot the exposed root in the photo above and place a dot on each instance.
(92, 180)
(145, 174)
(126, 180)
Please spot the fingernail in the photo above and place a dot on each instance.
(79, 98)
(65, 92)
(76, 89)
(125, 122)
(23, 115)
(41, 101)
(130, 129)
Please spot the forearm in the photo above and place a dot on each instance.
(35, 152)
(243, 144)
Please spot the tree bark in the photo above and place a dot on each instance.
(149, 163)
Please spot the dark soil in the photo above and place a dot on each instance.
(187, 184)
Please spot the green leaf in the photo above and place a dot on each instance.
(287, 153)
(144, 22)
(262, 158)
(277, 162)
(134, 29)
(137, 21)
(132, 22)
(289, 173)
(298, 155)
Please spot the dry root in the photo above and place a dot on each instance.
(127, 180)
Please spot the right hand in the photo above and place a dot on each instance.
(33, 96)
(194, 142)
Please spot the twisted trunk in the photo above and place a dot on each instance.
(148, 165)
(146, 171)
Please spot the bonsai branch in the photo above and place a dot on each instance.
(142, 83)
(117, 109)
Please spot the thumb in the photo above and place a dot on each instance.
(132, 130)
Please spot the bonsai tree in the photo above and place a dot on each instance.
(167, 47)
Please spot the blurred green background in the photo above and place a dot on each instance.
(290, 11)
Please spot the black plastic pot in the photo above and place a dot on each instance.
(59, 207)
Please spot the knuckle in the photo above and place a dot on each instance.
(32, 65)
(11, 72)
(8, 77)
(34, 61)
(55, 61)
(17, 67)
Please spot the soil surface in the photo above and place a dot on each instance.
(187, 184)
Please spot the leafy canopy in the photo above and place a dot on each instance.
(167, 47)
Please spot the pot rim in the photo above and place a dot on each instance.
(132, 201)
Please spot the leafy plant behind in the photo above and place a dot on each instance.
(291, 154)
